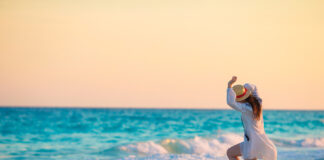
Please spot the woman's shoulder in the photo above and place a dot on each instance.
(246, 107)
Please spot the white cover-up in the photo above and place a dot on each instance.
(259, 145)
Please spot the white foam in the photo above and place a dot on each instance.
(202, 148)
(146, 148)
(306, 142)
(197, 147)
(312, 142)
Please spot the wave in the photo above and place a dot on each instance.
(199, 147)
(306, 142)
(312, 142)
(195, 148)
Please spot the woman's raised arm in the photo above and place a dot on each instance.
(231, 98)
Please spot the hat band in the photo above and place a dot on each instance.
(239, 96)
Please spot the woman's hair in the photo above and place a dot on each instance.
(256, 106)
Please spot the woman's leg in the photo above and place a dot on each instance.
(234, 152)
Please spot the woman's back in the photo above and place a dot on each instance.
(250, 124)
(256, 143)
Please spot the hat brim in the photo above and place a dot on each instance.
(248, 93)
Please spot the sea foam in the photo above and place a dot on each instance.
(305, 142)
(199, 147)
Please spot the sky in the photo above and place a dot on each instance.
(160, 54)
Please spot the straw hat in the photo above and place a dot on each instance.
(241, 92)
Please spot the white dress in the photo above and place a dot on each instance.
(256, 143)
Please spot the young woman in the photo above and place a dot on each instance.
(256, 145)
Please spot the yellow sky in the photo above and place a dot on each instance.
(171, 53)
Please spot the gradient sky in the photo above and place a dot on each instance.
(170, 53)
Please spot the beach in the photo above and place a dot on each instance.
(95, 133)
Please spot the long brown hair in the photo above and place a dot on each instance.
(256, 107)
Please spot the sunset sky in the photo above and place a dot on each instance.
(160, 54)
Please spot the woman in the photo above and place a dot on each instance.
(256, 145)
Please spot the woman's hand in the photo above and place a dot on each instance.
(233, 80)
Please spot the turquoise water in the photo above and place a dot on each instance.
(66, 133)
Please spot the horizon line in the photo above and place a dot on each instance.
(135, 107)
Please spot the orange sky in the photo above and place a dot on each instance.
(172, 53)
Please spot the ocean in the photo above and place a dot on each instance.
(129, 134)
